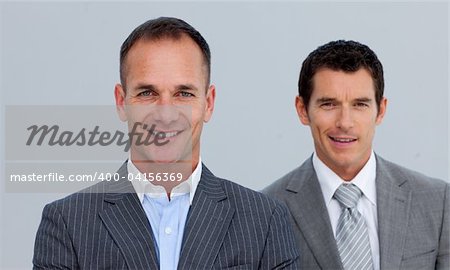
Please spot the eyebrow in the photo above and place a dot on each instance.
(186, 87)
(178, 87)
(327, 99)
(364, 100)
(145, 86)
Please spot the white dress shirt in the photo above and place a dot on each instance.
(365, 180)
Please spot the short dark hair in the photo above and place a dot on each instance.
(160, 28)
(348, 56)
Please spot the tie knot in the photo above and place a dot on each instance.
(348, 195)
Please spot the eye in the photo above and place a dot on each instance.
(361, 105)
(145, 93)
(185, 94)
(327, 105)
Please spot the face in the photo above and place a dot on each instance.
(342, 114)
(166, 88)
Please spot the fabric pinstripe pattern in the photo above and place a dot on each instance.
(105, 227)
(352, 237)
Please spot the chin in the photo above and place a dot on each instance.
(164, 161)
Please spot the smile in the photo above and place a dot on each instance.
(168, 134)
(342, 140)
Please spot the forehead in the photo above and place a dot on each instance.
(164, 55)
(334, 83)
(182, 47)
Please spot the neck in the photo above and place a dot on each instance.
(168, 175)
(347, 174)
(346, 171)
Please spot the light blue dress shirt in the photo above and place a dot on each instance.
(166, 217)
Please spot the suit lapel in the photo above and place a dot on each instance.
(125, 219)
(305, 202)
(207, 223)
(393, 205)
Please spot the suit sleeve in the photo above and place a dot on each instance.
(281, 251)
(443, 259)
(53, 247)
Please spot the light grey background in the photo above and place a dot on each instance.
(67, 54)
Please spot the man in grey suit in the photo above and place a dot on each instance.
(175, 214)
(350, 208)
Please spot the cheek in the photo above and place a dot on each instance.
(318, 134)
(370, 123)
(322, 122)
(200, 112)
(371, 131)
(196, 117)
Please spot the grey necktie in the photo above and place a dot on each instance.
(352, 238)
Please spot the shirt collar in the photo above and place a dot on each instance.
(146, 187)
(329, 181)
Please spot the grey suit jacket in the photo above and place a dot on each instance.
(413, 218)
(105, 227)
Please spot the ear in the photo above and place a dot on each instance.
(381, 111)
(302, 111)
(119, 95)
(210, 99)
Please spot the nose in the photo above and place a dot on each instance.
(345, 119)
(165, 111)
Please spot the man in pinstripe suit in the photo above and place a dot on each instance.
(199, 221)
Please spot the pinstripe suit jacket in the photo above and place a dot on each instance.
(413, 218)
(105, 227)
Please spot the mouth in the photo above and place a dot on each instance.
(344, 140)
(167, 134)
